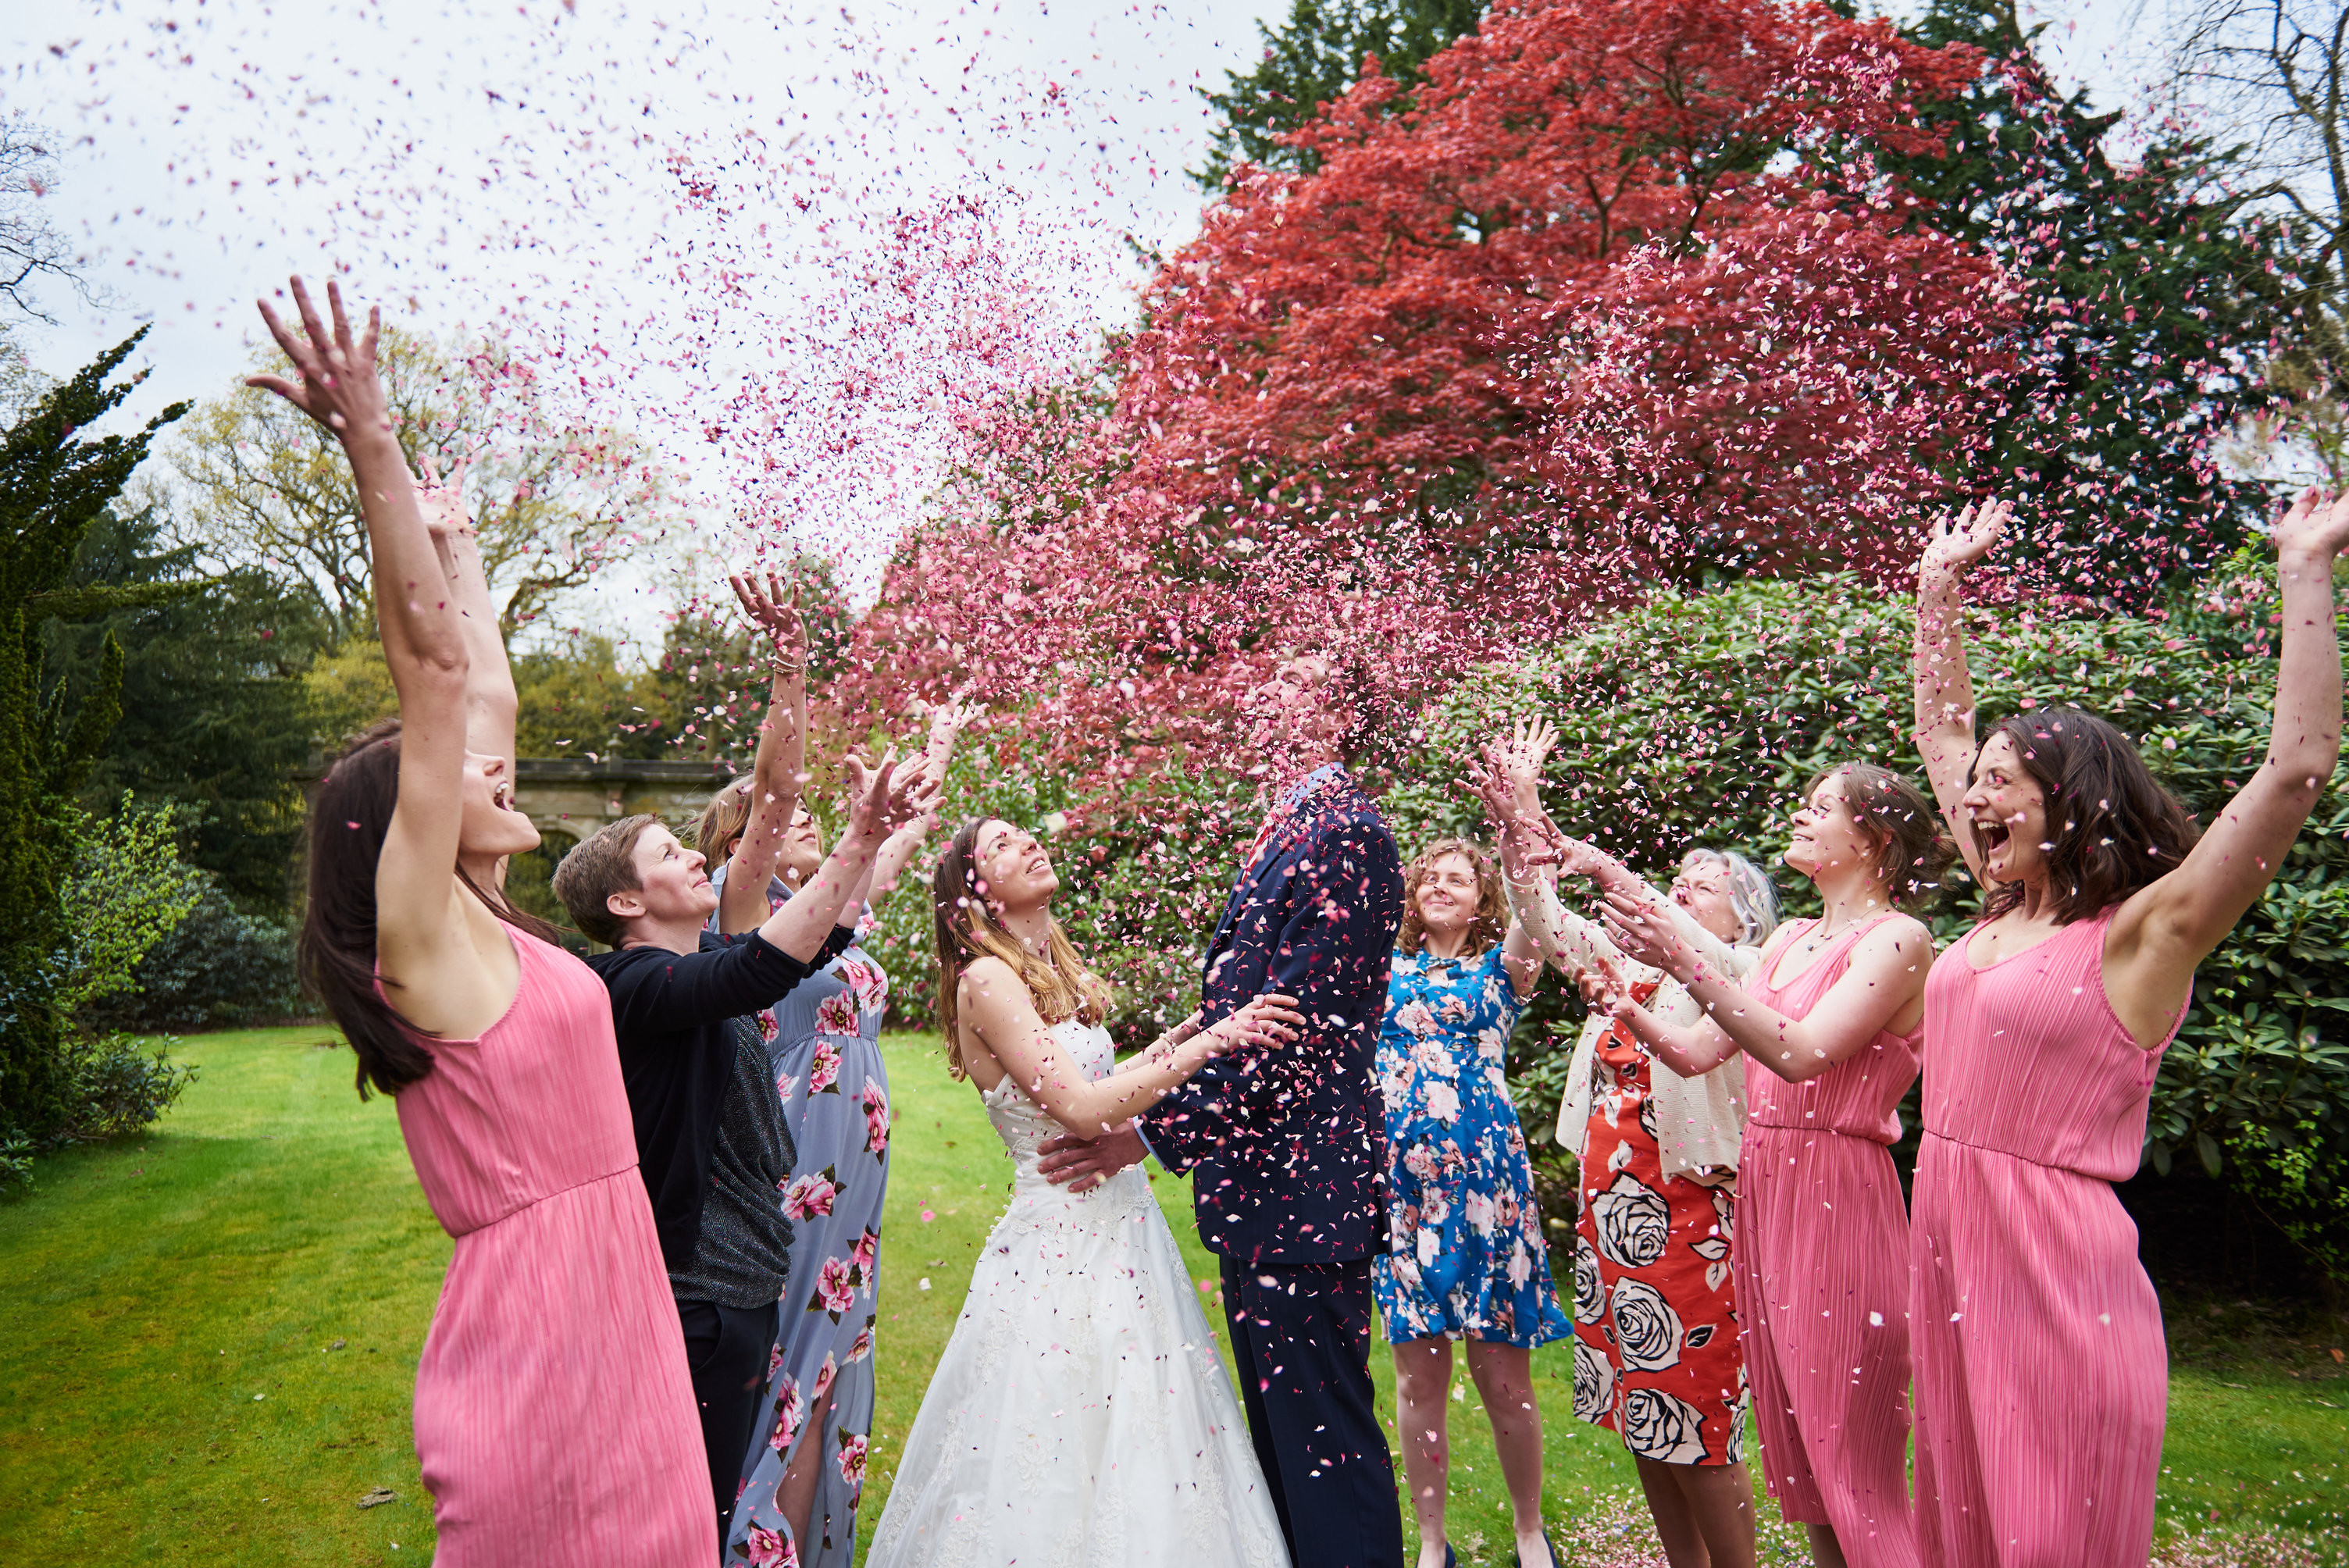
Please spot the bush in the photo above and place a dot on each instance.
(15, 1166)
(128, 892)
(122, 1084)
(218, 969)
(1697, 719)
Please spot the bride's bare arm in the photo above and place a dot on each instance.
(999, 1012)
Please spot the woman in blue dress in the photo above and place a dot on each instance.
(1465, 1258)
(805, 1473)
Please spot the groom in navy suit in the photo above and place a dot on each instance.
(1286, 1148)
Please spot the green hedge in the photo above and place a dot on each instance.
(1698, 718)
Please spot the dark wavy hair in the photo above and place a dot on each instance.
(349, 816)
(2114, 827)
(1912, 850)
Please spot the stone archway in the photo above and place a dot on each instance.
(573, 796)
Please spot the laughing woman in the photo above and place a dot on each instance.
(2040, 1359)
(1466, 1260)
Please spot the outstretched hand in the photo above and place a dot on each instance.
(442, 500)
(336, 381)
(1643, 931)
(2315, 526)
(1956, 543)
(774, 606)
(870, 795)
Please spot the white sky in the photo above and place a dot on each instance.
(509, 168)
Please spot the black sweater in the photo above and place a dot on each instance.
(670, 1011)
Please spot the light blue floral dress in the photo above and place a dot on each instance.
(1465, 1257)
(823, 1046)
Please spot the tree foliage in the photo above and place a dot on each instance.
(1621, 297)
(129, 891)
(2151, 294)
(1311, 60)
(56, 481)
(268, 488)
(212, 698)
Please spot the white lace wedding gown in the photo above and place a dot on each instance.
(1079, 1414)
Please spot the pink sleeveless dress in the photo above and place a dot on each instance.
(2041, 1375)
(1822, 1259)
(554, 1414)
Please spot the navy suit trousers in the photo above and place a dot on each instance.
(1301, 1350)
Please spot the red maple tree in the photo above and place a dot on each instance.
(1621, 298)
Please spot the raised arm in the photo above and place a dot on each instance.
(778, 770)
(948, 722)
(490, 703)
(334, 382)
(1944, 688)
(879, 800)
(999, 1012)
(2166, 929)
(1880, 988)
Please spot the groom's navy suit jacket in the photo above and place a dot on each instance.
(1287, 1145)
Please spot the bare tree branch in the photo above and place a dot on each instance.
(32, 249)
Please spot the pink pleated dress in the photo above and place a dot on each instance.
(1822, 1261)
(2041, 1375)
(555, 1413)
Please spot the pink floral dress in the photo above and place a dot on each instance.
(824, 1043)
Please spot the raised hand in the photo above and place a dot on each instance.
(774, 607)
(869, 796)
(1645, 933)
(950, 719)
(442, 500)
(2315, 527)
(1530, 744)
(336, 381)
(1488, 784)
(1956, 543)
(1266, 1021)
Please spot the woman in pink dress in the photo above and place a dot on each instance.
(2041, 1372)
(1832, 1009)
(554, 1416)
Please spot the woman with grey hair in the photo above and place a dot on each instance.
(1658, 1358)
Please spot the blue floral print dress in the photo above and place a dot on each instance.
(823, 1046)
(1465, 1258)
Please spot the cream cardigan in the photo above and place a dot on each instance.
(1700, 1120)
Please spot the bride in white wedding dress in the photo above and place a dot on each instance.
(1079, 1414)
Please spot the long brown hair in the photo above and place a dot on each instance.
(2115, 828)
(1063, 987)
(723, 819)
(1912, 850)
(349, 816)
(1492, 921)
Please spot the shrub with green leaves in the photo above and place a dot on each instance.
(217, 969)
(1699, 719)
(129, 890)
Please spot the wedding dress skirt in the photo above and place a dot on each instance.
(1079, 1414)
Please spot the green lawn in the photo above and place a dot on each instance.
(212, 1338)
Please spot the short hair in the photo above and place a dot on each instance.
(599, 865)
(1912, 850)
(1752, 894)
(1491, 921)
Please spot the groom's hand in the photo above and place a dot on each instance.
(1082, 1164)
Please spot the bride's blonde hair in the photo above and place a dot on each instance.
(1060, 985)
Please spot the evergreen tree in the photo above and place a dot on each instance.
(213, 710)
(1314, 57)
(2152, 295)
(55, 483)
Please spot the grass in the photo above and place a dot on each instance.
(268, 1238)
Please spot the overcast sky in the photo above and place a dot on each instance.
(524, 168)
